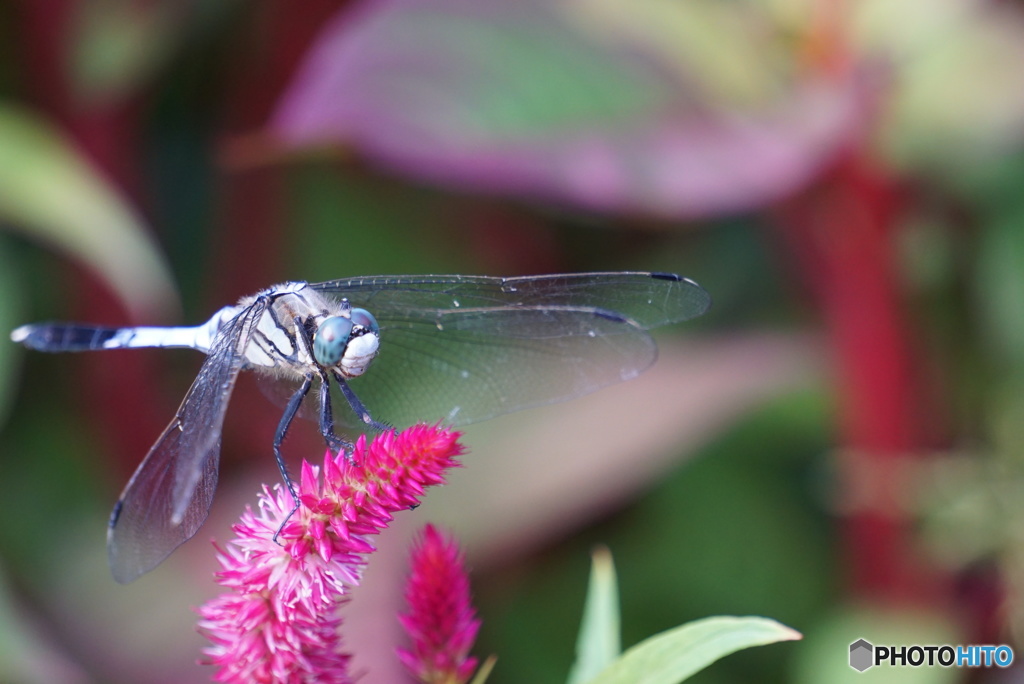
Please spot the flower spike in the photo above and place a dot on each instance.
(279, 621)
(441, 621)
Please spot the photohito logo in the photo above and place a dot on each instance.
(864, 655)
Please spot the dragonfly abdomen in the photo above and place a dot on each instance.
(68, 337)
(61, 337)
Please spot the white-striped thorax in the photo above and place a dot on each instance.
(344, 337)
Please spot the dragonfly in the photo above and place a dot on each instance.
(451, 348)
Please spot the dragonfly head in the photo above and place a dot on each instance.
(349, 342)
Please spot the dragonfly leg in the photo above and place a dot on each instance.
(334, 443)
(357, 406)
(282, 429)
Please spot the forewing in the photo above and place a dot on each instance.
(169, 496)
(466, 348)
(648, 299)
(465, 365)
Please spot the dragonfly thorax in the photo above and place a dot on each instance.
(344, 338)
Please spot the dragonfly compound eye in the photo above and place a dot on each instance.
(365, 320)
(331, 339)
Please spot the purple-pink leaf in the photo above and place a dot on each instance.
(560, 101)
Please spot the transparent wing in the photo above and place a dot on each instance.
(467, 348)
(648, 299)
(466, 365)
(169, 496)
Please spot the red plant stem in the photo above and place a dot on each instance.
(843, 232)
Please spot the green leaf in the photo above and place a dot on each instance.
(603, 104)
(116, 45)
(1000, 259)
(599, 643)
(51, 193)
(485, 670)
(946, 51)
(11, 305)
(674, 655)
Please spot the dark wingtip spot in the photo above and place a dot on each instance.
(115, 514)
(660, 275)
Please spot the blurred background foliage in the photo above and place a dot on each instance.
(837, 445)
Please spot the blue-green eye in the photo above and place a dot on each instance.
(331, 339)
(364, 318)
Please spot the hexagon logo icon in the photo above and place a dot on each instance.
(861, 653)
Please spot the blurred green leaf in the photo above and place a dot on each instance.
(485, 670)
(587, 103)
(599, 642)
(51, 193)
(120, 46)
(674, 655)
(1000, 269)
(711, 47)
(957, 94)
(117, 44)
(10, 317)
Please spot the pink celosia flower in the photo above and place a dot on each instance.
(279, 623)
(441, 620)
